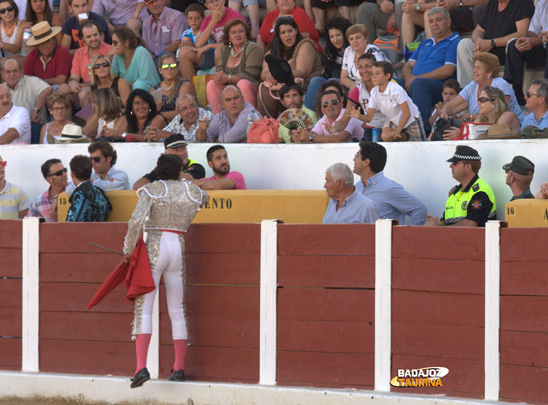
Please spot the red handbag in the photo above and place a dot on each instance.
(264, 131)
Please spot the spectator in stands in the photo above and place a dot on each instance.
(501, 21)
(252, 9)
(389, 197)
(537, 103)
(289, 44)
(519, 175)
(132, 61)
(88, 203)
(191, 121)
(102, 77)
(45, 205)
(433, 63)
(122, 12)
(29, 92)
(472, 202)
(451, 89)
(331, 57)
(71, 28)
(58, 107)
(82, 65)
(331, 84)
(194, 15)
(175, 145)
(529, 49)
(319, 7)
(359, 97)
(40, 10)
(211, 35)
(105, 175)
(239, 62)
(162, 30)
(379, 17)
(464, 15)
(11, 30)
(141, 116)
(346, 204)
(47, 60)
(107, 121)
(14, 203)
(168, 90)
(292, 97)
(287, 8)
(14, 120)
(493, 109)
(403, 121)
(486, 73)
(223, 178)
(230, 125)
(324, 130)
(357, 38)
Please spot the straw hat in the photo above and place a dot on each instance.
(41, 32)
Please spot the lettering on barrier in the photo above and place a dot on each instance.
(220, 203)
(419, 377)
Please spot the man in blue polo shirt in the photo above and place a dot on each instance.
(434, 61)
(537, 103)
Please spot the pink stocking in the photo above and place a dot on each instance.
(180, 352)
(141, 346)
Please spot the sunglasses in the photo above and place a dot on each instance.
(529, 94)
(96, 159)
(3, 163)
(482, 100)
(326, 103)
(8, 9)
(100, 65)
(167, 66)
(59, 173)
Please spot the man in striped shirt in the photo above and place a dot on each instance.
(14, 203)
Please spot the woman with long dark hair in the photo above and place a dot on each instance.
(38, 11)
(300, 52)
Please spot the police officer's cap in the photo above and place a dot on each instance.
(463, 152)
(175, 141)
(520, 165)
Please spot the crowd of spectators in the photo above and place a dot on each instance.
(125, 73)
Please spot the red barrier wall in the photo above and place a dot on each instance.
(524, 314)
(438, 279)
(11, 240)
(326, 305)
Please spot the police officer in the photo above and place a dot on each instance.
(472, 203)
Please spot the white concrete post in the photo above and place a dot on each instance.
(268, 315)
(492, 310)
(383, 303)
(30, 294)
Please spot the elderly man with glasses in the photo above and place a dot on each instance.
(14, 202)
(45, 205)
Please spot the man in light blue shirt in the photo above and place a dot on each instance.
(537, 103)
(390, 198)
(346, 204)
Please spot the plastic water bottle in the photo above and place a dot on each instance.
(252, 117)
(376, 134)
(26, 35)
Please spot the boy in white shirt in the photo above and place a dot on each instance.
(403, 120)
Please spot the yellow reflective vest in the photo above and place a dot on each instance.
(458, 203)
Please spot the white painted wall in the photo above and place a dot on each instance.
(420, 167)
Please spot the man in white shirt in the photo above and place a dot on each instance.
(14, 120)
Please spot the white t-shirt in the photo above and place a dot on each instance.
(388, 102)
(378, 119)
(348, 60)
(17, 118)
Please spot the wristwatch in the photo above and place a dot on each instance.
(418, 7)
(460, 3)
(124, 134)
(312, 137)
(493, 44)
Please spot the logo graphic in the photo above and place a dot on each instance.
(419, 377)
